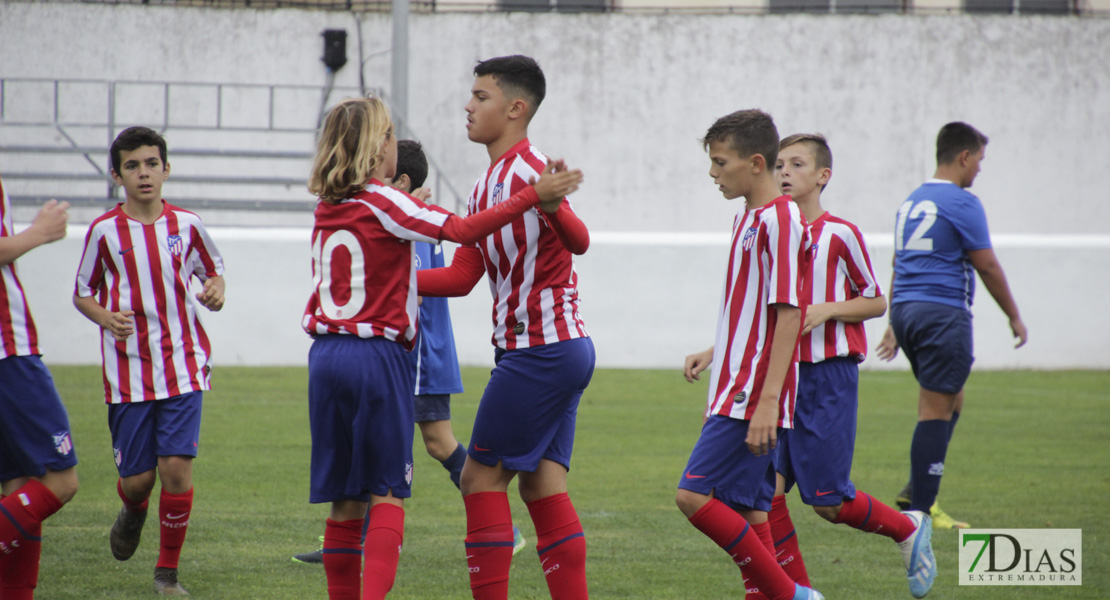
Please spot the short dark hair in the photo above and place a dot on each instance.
(516, 75)
(956, 137)
(748, 132)
(412, 162)
(133, 138)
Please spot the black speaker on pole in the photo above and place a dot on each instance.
(335, 48)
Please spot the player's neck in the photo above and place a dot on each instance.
(764, 190)
(503, 144)
(951, 172)
(144, 212)
(810, 205)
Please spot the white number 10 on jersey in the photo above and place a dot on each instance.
(356, 276)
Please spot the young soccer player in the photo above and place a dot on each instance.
(363, 317)
(726, 488)
(133, 282)
(544, 357)
(839, 292)
(38, 472)
(940, 237)
(433, 360)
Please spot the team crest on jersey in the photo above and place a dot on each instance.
(408, 473)
(749, 238)
(118, 455)
(62, 443)
(416, 261)
(175, 244)
(498, 189)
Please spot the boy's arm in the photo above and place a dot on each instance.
(696, 363)
(119, 324)
(456, 280)
(212, 297)
(762, 434)
(48, 226)
(570, 230)
(856, 310)
(994, 279)
(888, 346)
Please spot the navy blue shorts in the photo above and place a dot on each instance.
(937, 341)
(143, 431)
(721, 463)
(817, 453)
(529, 408)
(431, 407)
(360, 414)
(34, 429)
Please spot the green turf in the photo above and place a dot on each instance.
(1031, 451)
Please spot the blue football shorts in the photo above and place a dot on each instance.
(143, 431)
(34, 426)
(817, 453)
(360, 415)
(431, 407)
(722, 464)
(529, 408)
(937, 341)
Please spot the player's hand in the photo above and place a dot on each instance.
(121, 325)
(212, 297)
(696, 363)
(50, 222)
(816, 315)
(1018, 328)
(555, 183)
(763, 428)
(888, 346)
(422, 194)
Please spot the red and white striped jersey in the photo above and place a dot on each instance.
(531, 275)
(764, 268)
(839, 269)
(146, 268)
(364, 281)
(18, 336)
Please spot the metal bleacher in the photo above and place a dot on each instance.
(241, 153)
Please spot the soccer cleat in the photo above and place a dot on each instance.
(126, 532)
(518, 540)
(311, 558)
(941, 519)
(905, 497)
(801, 592)
(166, 584)
(917, 554)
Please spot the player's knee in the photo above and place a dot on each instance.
(828, 513)
(690, 502)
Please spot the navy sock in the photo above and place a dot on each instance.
(454, 464)
(930, 444)
(952, 424)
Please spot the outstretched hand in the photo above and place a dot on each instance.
(556, 182)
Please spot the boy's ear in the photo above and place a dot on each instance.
(116, 178)
(759, 163)
(403, 182)
(964, 157)
(518, 108)
(824, 176)
(166, 171)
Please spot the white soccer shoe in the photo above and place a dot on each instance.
(917, 554)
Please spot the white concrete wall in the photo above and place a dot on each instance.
(628, 98)
(647, 302)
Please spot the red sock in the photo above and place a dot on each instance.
(343, 558)
(173, 515)
(561, 546)
(868, 514)
(733, 534)
(22, 513)
(382, 549)
(786, 550)
(131, 505)
(19, 572)
(489, 544)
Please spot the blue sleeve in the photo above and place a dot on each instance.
(970, 220)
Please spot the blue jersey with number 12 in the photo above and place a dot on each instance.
(935, 229)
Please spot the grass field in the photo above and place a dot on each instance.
(1031, 451)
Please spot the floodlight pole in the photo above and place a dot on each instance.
(400, 70)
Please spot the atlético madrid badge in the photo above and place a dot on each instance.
(174, 243)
